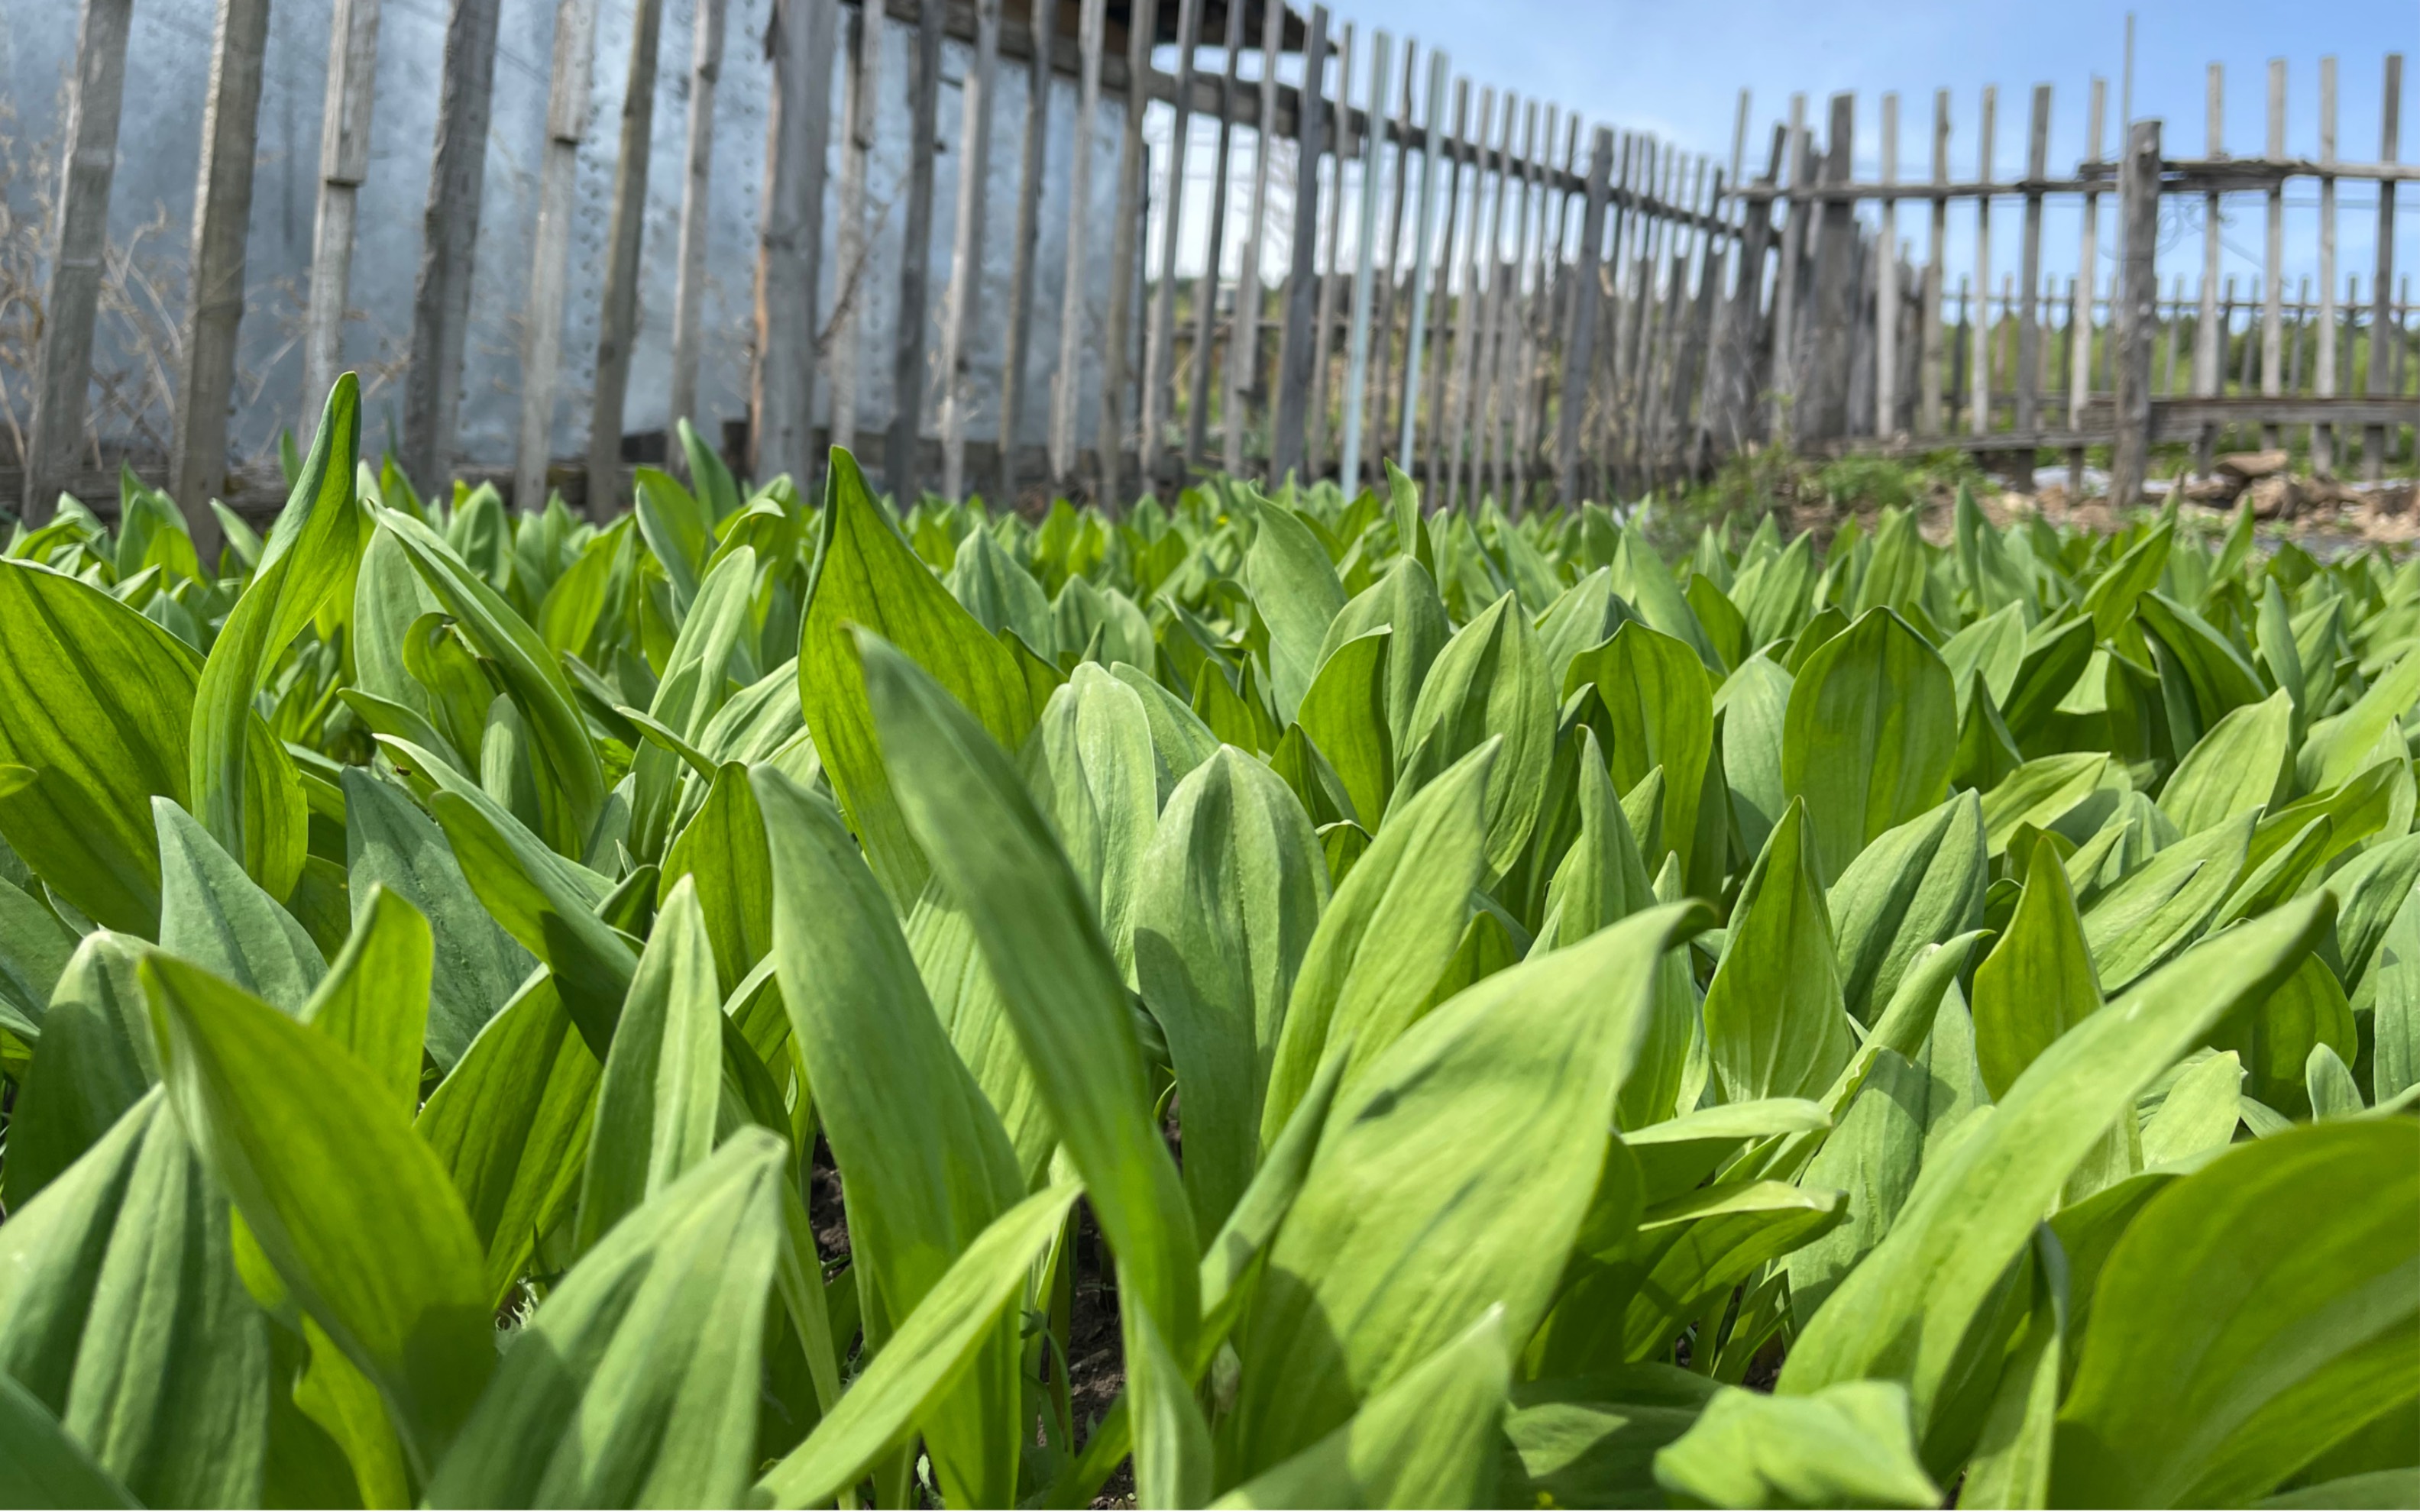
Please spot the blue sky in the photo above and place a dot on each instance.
(1677, 69)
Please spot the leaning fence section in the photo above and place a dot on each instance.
(1323, 250)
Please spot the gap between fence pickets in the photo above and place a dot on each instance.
(1639, 381)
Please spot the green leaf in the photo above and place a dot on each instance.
(42, 1462)
(1386, 935)
(1591, 1440)
(967, 809)
(2244, 762)
(663, 1076)
(1873, 1157)
(1489, 682)
(1775, 1022)
(1661, 713)
(636, 1382)
(1872, 728)
(1754, 705)
(1917, 885)
(1848, 1446)
(866, 575)
(2339, 748)
(934, 1347)
(214, 915)
(390, 843)
(1226, 902)
(120, 1315)
(2037, 982)
(1903, 1314)
(1453, 1177)
(510, 1126)
(1405, 603)
(1296, 593)
(1344, 714)
(2159, 910)
(2256, 1312)
(307, 562)
(374, 1000)
(1428, 1439)
(1091, 767)
(96, 1061)
(353, 1211)
(2199, 1114)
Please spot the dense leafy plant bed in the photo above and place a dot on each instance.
(727, 1007)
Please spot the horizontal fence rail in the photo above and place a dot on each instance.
(1300, 250)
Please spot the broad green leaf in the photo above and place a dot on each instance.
(1453, 1177)
(663, 1076)
(2256, 1312)
(390, 843)
(1872, 728)
(214, 915)
(374, 1000)
(1917, 885)
(1226, 902)
(2199, 1114)
(2243, 763)
(1873, 1157)
(2037, 982)
(1661, 713)
(1775, 1025)
(967, 809)
(866, 575)
(2155, 912)
(353, 1211)
(1404, 602)
(97, 1060)
(1296, 593)
(1427, 1439)
(636, 1382)
(1344, 714)
(1092, 769)
(1847, 1445)
(1489, 683)
(1591, 1440)
(1903, 1314)
(1387, 935)
(1754, 705)
(121, 1316)
(2339, 748)
(930, 1353)
(42, 1462)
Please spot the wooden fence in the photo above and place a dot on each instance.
(1503, 299)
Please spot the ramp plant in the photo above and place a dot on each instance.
(498, 1009)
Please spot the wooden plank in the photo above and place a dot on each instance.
(2273, 333)
(1450, 163)
(689, 276)
(1112, 437)
(1332, 281)
(2382, 315)
(860, 109)
(2079, 320)
(1206, 289)
(1822, 409)
(2136, 311)
(566, 123)
(1436, 152)
(1554, 293)
(2323, 376)
(1043, 29)
(2209, 373)
(958, 311)
(1886, 298)
(1740, 354)
(2030, 333)
(789, 244)
(1159, 336)
(1577, 346)
(1979, 414)
(343, 162)
(1783, 379)
(1356, 350)
(1304, 291)
(1243, 326)
(617, 325)
(1067, 379)
(1486, 357)
(908, 370)
(1456, 432)
(1930, 420)
(1690, 379)
(72, 296)
(1386, 396)
(449, 235)
(1512, 321)
(198, 464)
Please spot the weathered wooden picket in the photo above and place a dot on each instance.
(1503, 300)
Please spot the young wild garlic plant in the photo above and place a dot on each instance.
(498, 1011)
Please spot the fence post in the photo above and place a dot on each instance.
(1979, 361)
(1583, 327)
(214, 308)
(2272, 285)
(1244, 333)
(689, 276)
(62, 358)
(566, 118)
(1296, 357)
(1823, 392)
(440, 297)
(2029, 331)
(618, 321)
(966, 245)
(1125, 236)
(1205, 287)
(2137, 312)
(2373, 437)
(915, 258)
(1886, 296)
(2323, 374)
(1433, 154)
(1042, 28)
(789, 247)
(343, 162)
(1356, 350)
